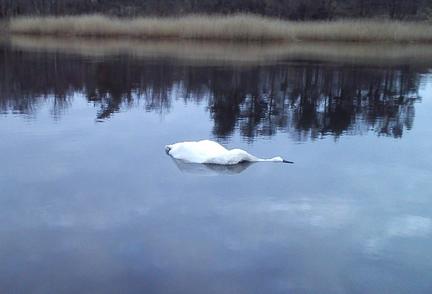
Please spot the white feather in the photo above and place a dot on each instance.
(211, 152)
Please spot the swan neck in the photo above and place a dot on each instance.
(274, 159)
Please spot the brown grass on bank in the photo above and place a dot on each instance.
(235, 27)
(217, 53)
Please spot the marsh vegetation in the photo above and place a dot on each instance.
(239, 27)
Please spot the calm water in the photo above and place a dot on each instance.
(90, 202)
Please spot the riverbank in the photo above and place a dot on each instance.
(229, 28)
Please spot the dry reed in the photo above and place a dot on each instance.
(235, 28)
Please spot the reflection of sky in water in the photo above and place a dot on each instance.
(99, 207)
(410, 226)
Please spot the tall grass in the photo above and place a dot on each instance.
(235, 27)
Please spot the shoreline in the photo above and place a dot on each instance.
(239, 28)
(208, 53)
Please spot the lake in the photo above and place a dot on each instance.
(91, 203)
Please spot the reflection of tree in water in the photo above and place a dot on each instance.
(316, 100)
(304, 99)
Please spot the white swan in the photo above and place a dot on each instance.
(210, 152)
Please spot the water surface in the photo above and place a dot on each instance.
(90, 202)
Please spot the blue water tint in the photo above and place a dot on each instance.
(90, 202)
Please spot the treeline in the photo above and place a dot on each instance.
(287, 9)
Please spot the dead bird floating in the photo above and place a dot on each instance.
(210, 152)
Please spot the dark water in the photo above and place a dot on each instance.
(90, 203)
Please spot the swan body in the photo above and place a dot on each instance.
(210, 152)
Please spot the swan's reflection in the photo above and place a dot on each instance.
(210, 169)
